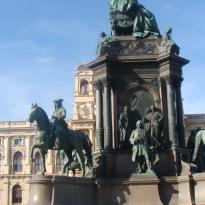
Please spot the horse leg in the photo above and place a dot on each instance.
(197, 144)
(69, 156)
(81, 160)
(42, 153)
(33, 147)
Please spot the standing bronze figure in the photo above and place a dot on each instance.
(140, 151)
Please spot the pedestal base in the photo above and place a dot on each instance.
(136, 190)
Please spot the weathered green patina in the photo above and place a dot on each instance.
(72, 140)
(128, 17)
(59, 128)
(140, 150)
(199, 150)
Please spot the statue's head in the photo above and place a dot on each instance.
(125, 109)
(58, 103)
(103, 34)
(32, 112)
(139, 124)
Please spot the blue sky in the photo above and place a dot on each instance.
(42, 42)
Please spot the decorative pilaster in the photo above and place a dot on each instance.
(99, 115)
(180, 113)
(107, 114)
(171, 112)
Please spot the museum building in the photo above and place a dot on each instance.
(17, 137)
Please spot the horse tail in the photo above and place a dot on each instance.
(198, 139)
(88, 148)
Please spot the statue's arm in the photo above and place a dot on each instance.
(62, 115)
(132, 138)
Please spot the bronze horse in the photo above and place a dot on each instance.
(74, 140)
(200, 141)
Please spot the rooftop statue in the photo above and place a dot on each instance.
(128, 17)
(168, 44)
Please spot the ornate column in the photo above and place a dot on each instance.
(99, 115)
(171, 112)
(180, 113)
(107, 115)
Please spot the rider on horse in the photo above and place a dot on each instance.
(59, 127)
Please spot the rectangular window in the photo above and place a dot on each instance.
(17, 141)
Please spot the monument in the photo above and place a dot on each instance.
(141, 156)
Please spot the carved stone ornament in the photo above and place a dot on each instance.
(136, 48)
(84, 110)
(97, 85)
(132, 47)
(106, 82)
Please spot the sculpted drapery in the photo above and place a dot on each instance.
(144, 22)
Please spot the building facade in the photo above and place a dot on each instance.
(16, 170)
(84, 104)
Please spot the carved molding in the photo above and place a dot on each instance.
(97, 85)
(106, 82)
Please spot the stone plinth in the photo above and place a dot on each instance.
(135, 190)
(199, 188)
(60, 190)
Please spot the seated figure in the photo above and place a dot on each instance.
(128, 17)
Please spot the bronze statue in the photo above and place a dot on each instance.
(168, 44)
(59, 128)
(156, 118)
(104, 44)
(153, 120)
(199, 149)
(140, 151)
(123, 124)
(128, 17)
(72, 140)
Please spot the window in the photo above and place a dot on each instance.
(59, 162)
(1, 163)
(17, 141)
(17, 162)
(84, 87)
(16, 194)
(37, 162)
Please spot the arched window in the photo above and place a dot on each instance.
(37, 162)
(59, 162)
(1, 163)
(17, 194)
(84, 87)
(17, 162)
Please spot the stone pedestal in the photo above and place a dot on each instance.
(185, 190)
(199, 188)
(138, 190)
(59, 190)
(135, 190)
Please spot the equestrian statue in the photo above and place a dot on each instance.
(55, 135)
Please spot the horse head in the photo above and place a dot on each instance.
(33, 114)
(39, 115)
